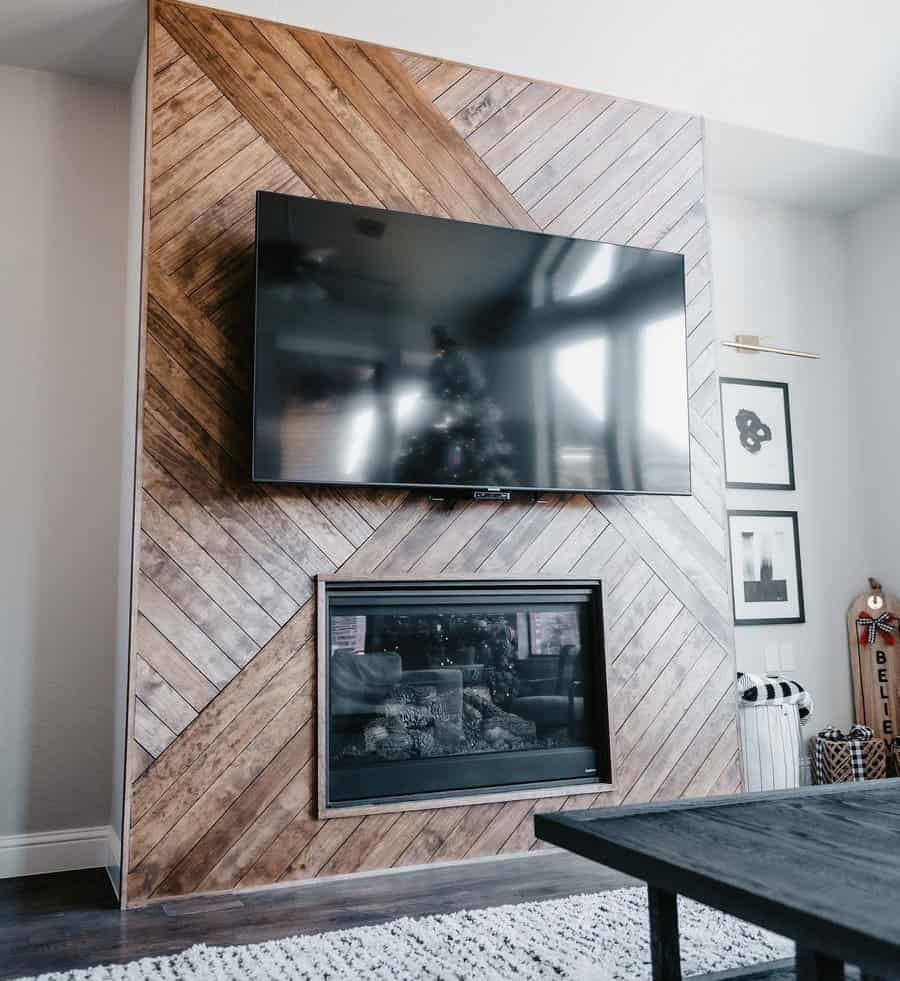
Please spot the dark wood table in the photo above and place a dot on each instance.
(819, 865)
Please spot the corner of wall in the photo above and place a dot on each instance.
(130, 387)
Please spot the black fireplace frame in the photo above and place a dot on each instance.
(415, 590)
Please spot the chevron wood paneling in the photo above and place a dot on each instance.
(223, 665)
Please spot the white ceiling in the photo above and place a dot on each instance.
(94, 38)
(802, 95)
(755, 164)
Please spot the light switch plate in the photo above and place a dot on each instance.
(773, 659)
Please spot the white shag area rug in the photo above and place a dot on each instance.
(600, 936)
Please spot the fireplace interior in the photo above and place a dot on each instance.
(446, 689)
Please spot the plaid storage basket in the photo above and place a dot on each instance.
(834, 761)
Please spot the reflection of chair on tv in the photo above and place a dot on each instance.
(553, 690)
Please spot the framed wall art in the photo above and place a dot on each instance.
(756, 431)
(765, 567)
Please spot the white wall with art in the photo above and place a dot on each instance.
(782, 274)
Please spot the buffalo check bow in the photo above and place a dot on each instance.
(869, 627)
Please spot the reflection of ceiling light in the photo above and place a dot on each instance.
(405, 404)
(576, 456)
(663, 379)
(582, 367)
(360, 430)
(596, 273)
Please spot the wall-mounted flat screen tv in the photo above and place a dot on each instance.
(398, 349)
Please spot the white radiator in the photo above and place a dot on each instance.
(770, 746)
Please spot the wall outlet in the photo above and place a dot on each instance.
(773, 659)
(786, 656)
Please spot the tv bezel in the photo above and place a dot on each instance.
(450, 490)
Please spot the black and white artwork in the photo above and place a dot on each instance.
(765, 567)
(756, 430)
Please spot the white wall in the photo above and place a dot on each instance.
(874, 278)
(783, 273)
(63, 176)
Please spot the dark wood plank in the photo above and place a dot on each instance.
(371, 156)
(196, 30)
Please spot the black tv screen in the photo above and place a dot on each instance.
(398, 349)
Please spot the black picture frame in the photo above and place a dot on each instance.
(798, 569)
(791, 483)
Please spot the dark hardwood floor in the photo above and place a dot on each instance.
(70, 919)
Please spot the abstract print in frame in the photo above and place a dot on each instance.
(756, 431)
(765, 567)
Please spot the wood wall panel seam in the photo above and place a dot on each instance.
(459, 158)
(178, 840)
(153, 785)
(287, 762)
(201, 568)
(212, 538)
(227, 511)
(390, 116)
(164, 827)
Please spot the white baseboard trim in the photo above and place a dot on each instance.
(56, 851)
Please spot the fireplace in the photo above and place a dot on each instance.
(436, 692)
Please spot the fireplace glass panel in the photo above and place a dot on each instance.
(445, 692)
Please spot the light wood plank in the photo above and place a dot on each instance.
(150, 732)
(179, 178)
(174, 79)
(567, 194)
(205, 125)
(183, 107)
(190, 683)
(502, 124)
(612, 176)
(206, 572)
(184, 634)
(195, 603)
(537, 143)
(573, 152)
(161, 698)
(473, 84)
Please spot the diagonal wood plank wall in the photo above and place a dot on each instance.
(223, 665)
